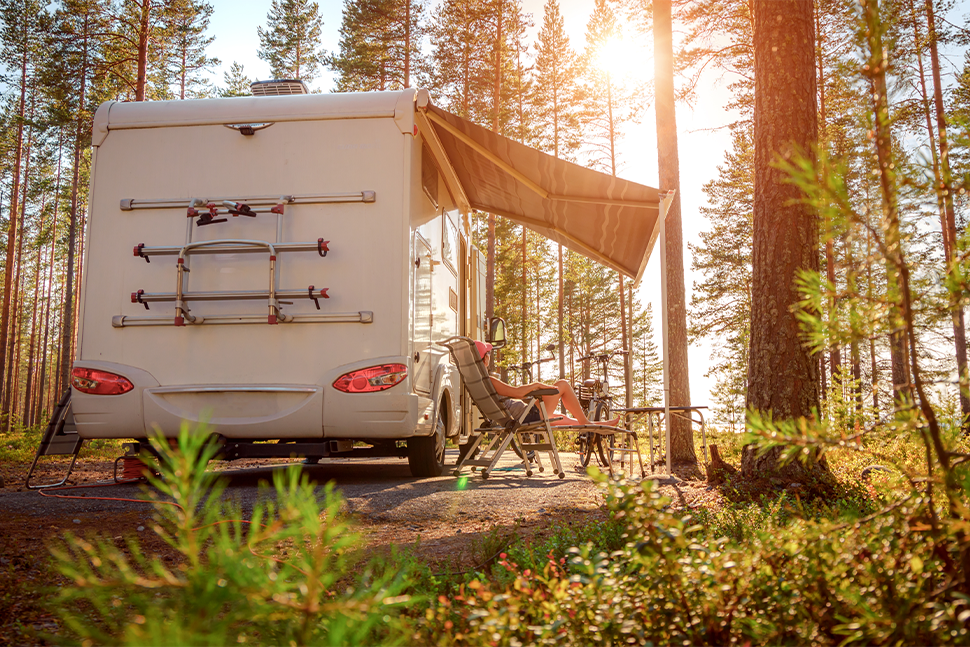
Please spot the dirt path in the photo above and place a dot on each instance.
(450, 516)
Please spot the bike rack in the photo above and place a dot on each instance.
(202, 212)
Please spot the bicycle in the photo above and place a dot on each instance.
(596, 400)
(525, 368)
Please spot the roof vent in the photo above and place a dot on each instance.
(278, 88)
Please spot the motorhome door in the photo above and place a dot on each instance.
(422, 311)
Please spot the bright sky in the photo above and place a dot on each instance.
(702, 143)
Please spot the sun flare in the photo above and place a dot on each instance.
(619, 58)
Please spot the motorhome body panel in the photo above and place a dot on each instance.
(255, 380)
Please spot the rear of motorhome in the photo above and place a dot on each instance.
(278, 267)
(284, 268)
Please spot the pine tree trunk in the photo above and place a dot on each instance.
(45, 369)
(782, 373)
(835, 353)
(956, 309)
(625, 342)
(143, 24)
(65, 357)
(29, 389)
(67, 324)
(681, 434)
(12, 230)
(562, 358)
(407, 44)
(10, 397)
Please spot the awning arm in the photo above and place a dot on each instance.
(451, 177)
(508, 168)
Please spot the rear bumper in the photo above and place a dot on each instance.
(248, 411)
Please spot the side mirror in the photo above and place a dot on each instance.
(496, 332)
(551, 348)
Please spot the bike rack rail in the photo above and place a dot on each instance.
(202, 212)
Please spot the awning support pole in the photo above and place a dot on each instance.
(666, 360)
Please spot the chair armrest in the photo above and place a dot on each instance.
(538, 393)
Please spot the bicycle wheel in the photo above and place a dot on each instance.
(602, 412)
(585, 442)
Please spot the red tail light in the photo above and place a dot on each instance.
(368, 380)
(89, 380)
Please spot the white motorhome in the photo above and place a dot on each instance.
(283, 267)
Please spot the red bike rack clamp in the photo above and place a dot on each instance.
(239, 209)
(208, 217)
(139, 251)
(322, 247)
(316, 299)
(136, 297)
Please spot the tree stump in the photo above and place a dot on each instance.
(719, 471)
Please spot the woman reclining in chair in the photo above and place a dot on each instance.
(511, 394)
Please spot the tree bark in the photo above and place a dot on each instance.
(143, 25)
(67, 324)
(10, 397)
(681, 435)
(782, 373)
(835, 353)
(496, 102)
(12, 230)
(956, 309)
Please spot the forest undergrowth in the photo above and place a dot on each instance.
(878, 565)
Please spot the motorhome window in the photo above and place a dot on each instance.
(449, 243)
(429, 175)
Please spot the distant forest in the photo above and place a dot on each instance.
(488, 61)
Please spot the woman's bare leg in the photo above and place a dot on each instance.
(571, 402)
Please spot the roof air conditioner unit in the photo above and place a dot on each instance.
(278, 88)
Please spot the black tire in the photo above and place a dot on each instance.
(426, 454)
(602, 412)
(585, 441)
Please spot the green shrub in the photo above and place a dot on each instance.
(291, 576)
(881, 580)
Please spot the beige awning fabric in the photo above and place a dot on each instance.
(613, 221)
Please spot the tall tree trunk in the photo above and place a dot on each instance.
(143, 25)
(10, 397)
(782, 373)
(67, 323)
(496, 103)
(45, 369)
(12, 230)
(625, 324)
(835, 353)
(629, 376)
(29, 389)
(681, 434)
(407, 43)
(900, 299)
(525, 310)
(956, 309)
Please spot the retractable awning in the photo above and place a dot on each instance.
(613, 221)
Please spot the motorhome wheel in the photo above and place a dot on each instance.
(426, 454)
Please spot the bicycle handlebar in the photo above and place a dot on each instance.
(605, 356)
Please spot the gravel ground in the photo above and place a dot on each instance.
(387, 503)
(444, 519)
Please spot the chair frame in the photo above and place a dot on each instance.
(505, 428)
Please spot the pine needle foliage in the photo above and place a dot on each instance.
(289, 576)
(290, 43)
(380, 45)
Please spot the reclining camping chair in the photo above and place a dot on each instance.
(502, 428)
